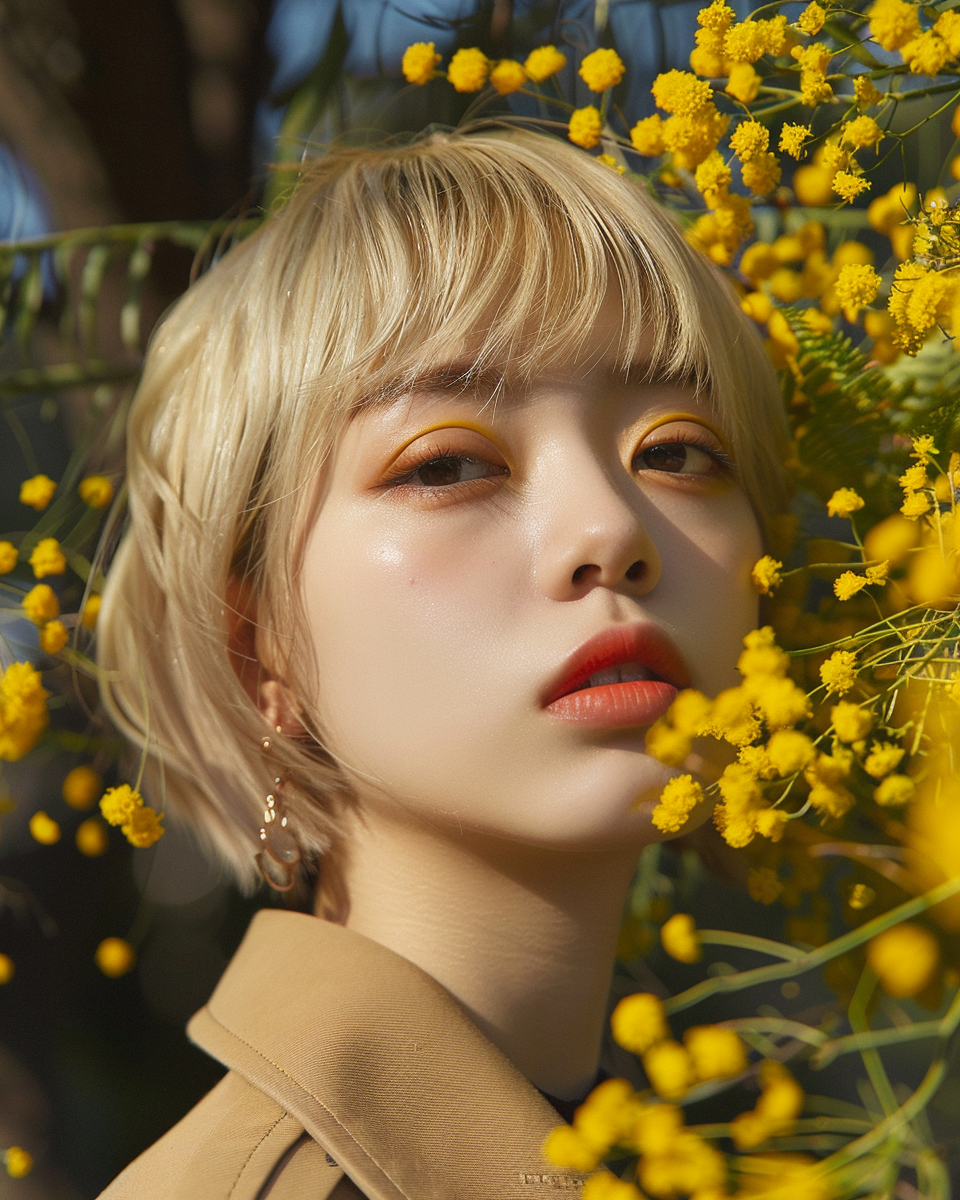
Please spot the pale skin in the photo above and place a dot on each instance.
(462, 552)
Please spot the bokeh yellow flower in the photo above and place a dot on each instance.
(468, 70)
(811, 19)
(118, 804)
(638, 1022)
(893, 23)
(602, 69)
(543, 62)
(904, 958)
(53, 637)
(23, 710)
(670, 1069)
(792, 139)
(647, 136)
(91, 610)
(844, 503)
(585, 127)
(37, 492)
(81, 786)
(419, 63)
(41, 604)
(115, 957)
(47, 558)
(18, 1162)
(8, 557)
(96, 491)
(681, 93)
(680, 939)
(91, 838)
(856, 286)
(743, 83)
(677, 800)
(507, 76)
(716, 1053)
(839, 673)
(851, 722)
(44, 829)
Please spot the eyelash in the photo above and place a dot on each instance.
(405, 477)
(702, 441)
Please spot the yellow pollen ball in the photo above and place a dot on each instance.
(37, 492)
(96, 491)
(638, 1022)
(47, 558)
(419, 63)
(115, 957)
(716, 1053)
(53, 637)
(41, 604)
(8, 557)
(508, 76)
(44, 829)
(543, 62)
(18, 1162)
(679, 938)
(7, 968)
(904, 959)
(670, 1069)
(468, 70)
(585, 127)
(602, 69)
(81, 787)
(91, 610)
(92, 838)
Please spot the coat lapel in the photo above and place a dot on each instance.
(380, 1065)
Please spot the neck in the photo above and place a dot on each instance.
(522, 936)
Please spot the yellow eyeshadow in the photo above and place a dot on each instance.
(669, 418)
(440, 425)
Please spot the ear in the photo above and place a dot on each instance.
(280, 707)
(277, 703)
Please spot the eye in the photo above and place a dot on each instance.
(448, 463)
(449, 469)
(683, 450)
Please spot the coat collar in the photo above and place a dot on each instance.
(380, 1065)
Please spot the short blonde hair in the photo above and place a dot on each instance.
(383, 264)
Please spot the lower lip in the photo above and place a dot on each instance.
(615, 705)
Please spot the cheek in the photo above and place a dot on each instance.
(404, 625)
(707, 587)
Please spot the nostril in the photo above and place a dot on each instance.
(636, 571)
(580, 573)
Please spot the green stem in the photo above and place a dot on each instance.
(859, 1023)
(777, 1025)
(943, 1028)
(747, 941)
(812, 958)
(890, 1126)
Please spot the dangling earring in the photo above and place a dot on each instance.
(280, 856)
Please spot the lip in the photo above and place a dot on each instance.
(618, 705)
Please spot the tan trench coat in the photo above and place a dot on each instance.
(352, 1074)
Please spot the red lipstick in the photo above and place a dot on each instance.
(652, 671)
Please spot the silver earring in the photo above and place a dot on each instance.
(279, 855)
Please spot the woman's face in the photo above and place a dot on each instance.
(467, 549)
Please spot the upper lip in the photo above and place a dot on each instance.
(640, 642)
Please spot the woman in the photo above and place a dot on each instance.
(441, 486)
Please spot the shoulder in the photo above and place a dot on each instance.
(236, 1144)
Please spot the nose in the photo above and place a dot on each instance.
(596, 537)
